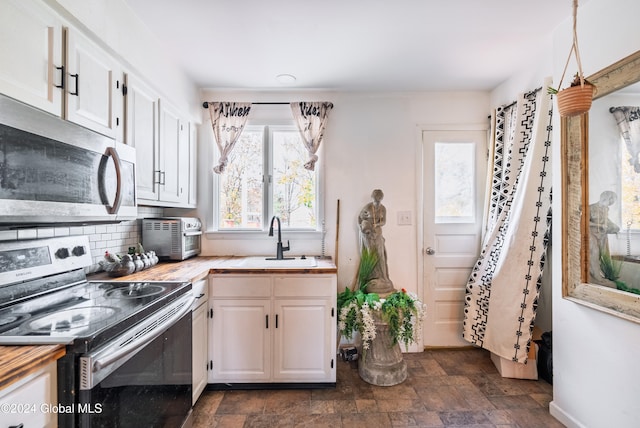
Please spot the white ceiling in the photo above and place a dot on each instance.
(353, 45)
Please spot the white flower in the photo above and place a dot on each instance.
(368, 330)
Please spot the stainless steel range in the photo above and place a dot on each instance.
(128, 343)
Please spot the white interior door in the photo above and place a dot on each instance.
(454, 165)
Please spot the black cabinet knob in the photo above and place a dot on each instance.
(62, 253)
(78, 251)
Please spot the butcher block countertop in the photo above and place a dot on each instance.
(17, 362)
(197, 268)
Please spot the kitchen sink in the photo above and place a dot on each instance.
(270, 263)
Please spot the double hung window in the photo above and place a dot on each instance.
(266, 177)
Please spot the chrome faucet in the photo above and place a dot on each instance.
(280, 249)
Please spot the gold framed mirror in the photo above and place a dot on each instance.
(601, 195)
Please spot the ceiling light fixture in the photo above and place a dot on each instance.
(286, 79)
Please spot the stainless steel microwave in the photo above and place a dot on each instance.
(53, 171)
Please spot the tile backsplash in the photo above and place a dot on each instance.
(115, 238)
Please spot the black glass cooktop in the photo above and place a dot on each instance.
(86, 314)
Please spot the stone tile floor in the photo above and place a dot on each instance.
(444, 388)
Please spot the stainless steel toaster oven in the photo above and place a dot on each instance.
(172, 238)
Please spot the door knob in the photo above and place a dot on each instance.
(430, 251)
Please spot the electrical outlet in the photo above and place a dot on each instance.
(404, 218)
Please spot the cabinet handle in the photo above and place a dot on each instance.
(267, 320)
(157, 180)
(162, 174)
(17, 426)
(77, 83)
(61, 85)
(276, 320)
(211, 313)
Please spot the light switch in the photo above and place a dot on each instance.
(404, 218)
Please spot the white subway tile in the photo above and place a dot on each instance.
(61, 231)
(45, 233)
(8, 235)
(27, 234)
(76, 230)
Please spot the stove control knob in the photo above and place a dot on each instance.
(78, 251)
(62, 253)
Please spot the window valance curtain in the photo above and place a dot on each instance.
(311, 118)
(227, 120)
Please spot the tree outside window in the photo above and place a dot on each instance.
(275, 156)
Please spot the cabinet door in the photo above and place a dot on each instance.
(170, 153)
(193, 164)
(31, 52)
(303, 338)
(199, 353)
(93, 87)
(239, 344)
(142, 133)
(183, 163)
(34, 395)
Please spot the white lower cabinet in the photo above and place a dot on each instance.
(32, 401)
(272, 328)
(200, 338)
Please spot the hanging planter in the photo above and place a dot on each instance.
(577, 98)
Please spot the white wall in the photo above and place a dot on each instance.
(596, 378)
(370, 142)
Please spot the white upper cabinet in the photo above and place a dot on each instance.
(31, 51)
(162, 141)
(78, 81)
(142, 107)
(193, 164)
(172, 151)
(94, 87)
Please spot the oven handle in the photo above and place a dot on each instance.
(141, 342)
(198, 233)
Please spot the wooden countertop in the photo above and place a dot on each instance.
(17, 362)
(197, 268)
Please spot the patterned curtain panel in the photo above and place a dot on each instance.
(311, 119)
(228, 121)
(504, 174)
(628, 120)
(503, 288)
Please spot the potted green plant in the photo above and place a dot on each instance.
(359, 311)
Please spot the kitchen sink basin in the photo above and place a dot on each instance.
(269, 263)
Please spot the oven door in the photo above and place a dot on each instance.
(191, 244)
(144, 377)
